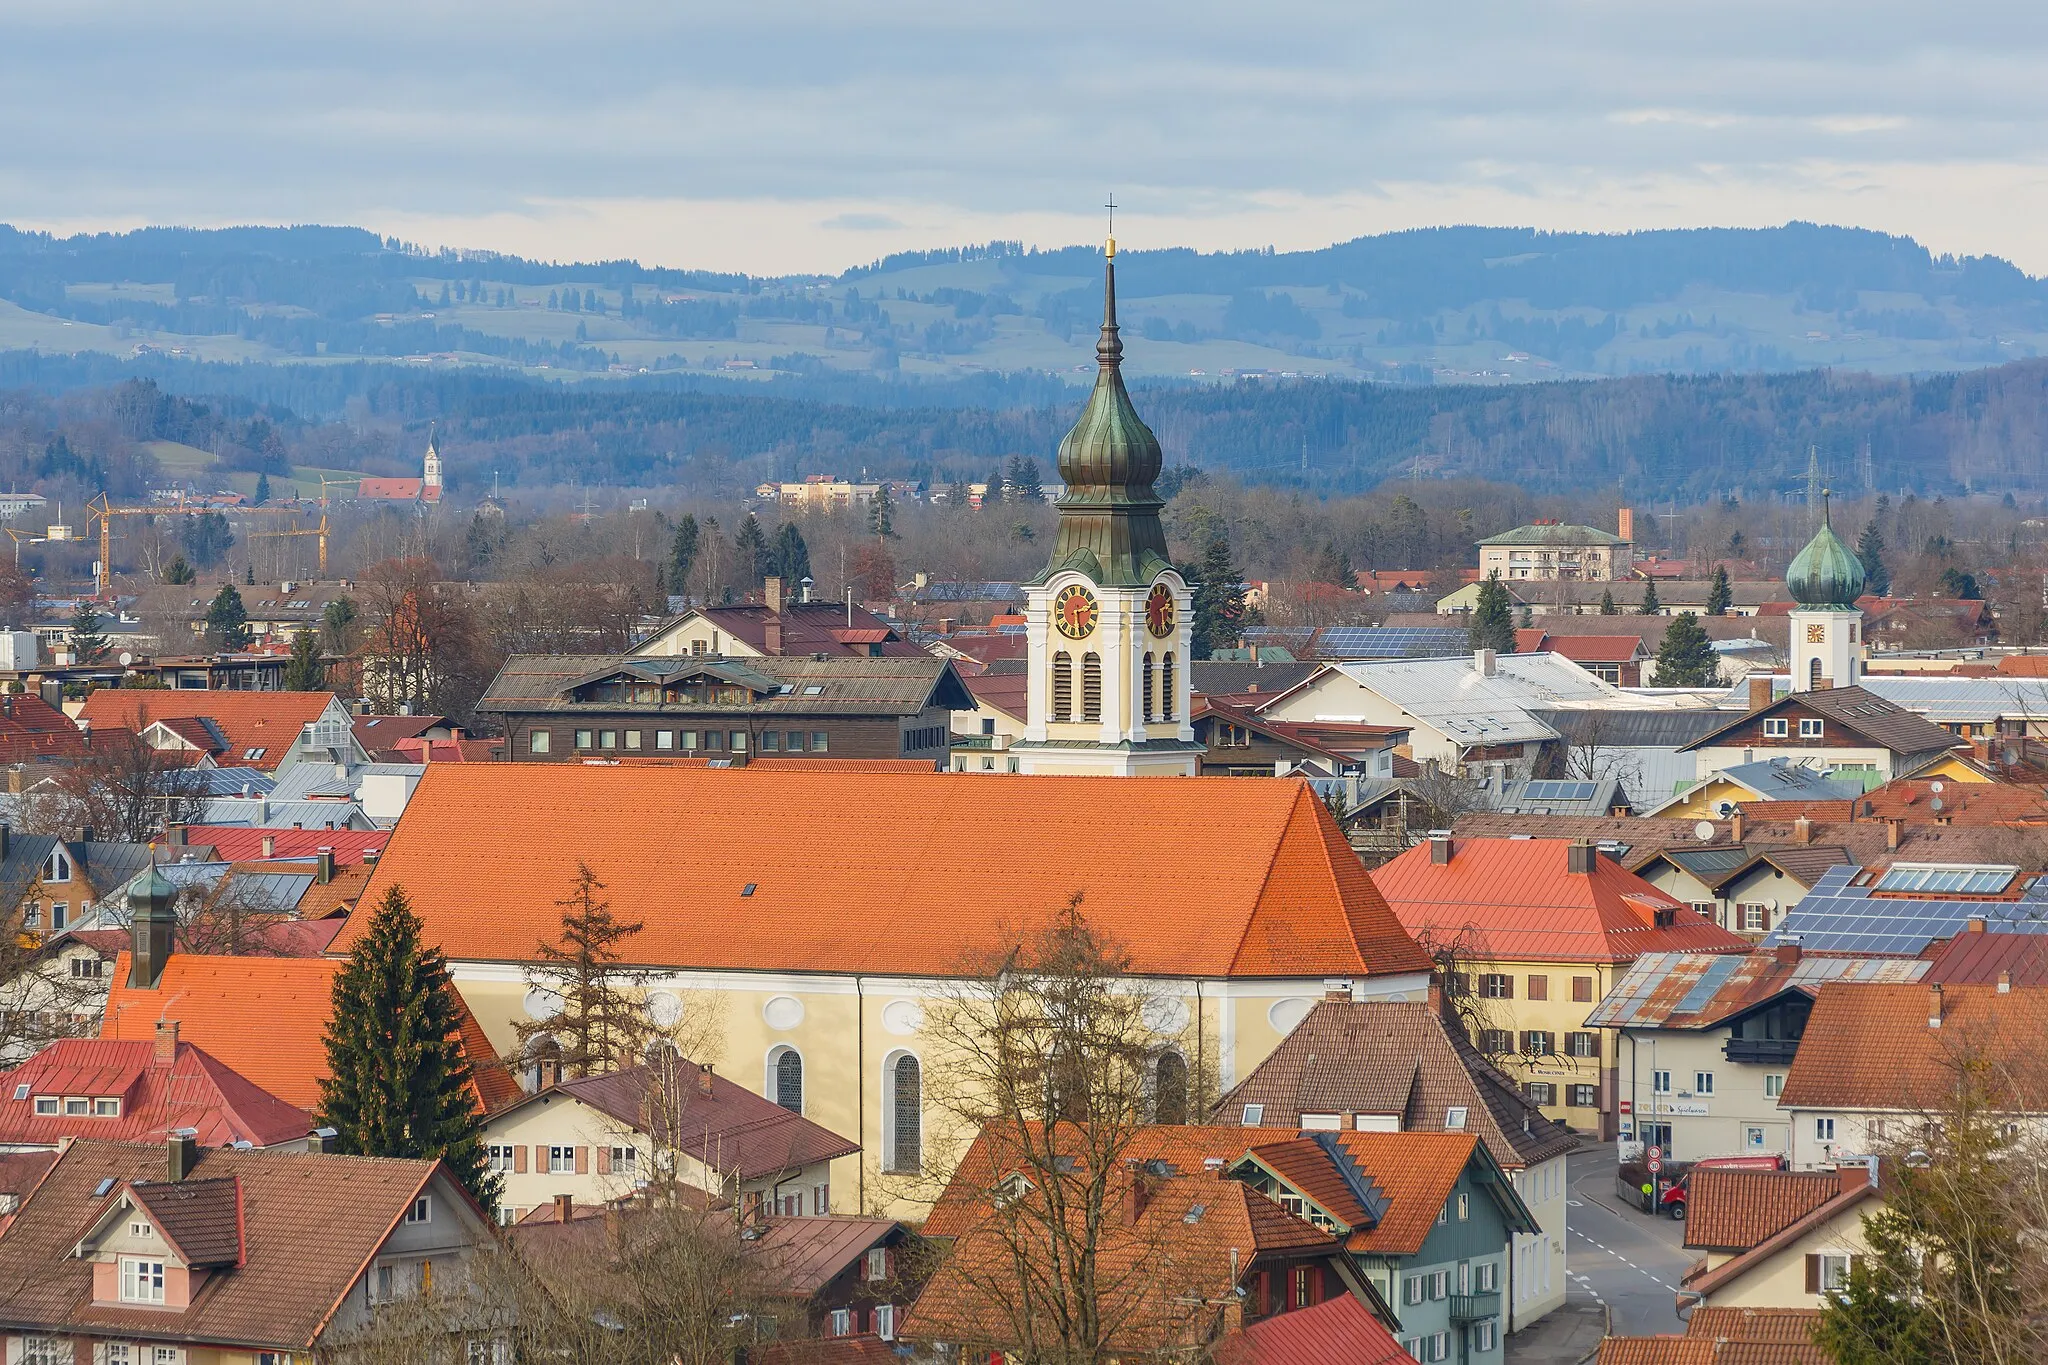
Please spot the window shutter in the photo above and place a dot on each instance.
(604, 1161)
(1813, 1274)
(1539, 988)
(1528, 1040)
(519, 1159)
(1593, 1044)
(540, 1156)
(583, 1161)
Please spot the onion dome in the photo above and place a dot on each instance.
(1826, 573)
(1109, 514)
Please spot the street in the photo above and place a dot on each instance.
(1617, 1255)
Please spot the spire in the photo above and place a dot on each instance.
(1109, 349)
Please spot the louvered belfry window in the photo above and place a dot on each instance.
(1166, 687)
(1148, 685)
(1062, 686)
(1091, 686)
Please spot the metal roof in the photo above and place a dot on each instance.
(1700, 990)
(1955, 701)
(1454, 698)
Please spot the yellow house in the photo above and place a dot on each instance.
(807, 919)
(1776, 1239)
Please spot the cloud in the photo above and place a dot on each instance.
(783, 136)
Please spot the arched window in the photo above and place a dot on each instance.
(905, 1113)
(1148, 685)
(1091, 686)
(1062, 686)
(786, 1073)
(1166, 687)
(1170, 1088)
(1813, 674)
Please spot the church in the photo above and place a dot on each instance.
(1107, 620)
(425, 489)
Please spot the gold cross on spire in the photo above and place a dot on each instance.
(1110, 250)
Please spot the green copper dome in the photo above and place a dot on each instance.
(1826, 573)
(1109, 515)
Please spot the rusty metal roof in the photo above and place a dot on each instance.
(1699, 990)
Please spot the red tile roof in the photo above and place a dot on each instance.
(270, 721)
(192, 1090)
(1856, 1185)
(1870, 1047)
(397, 490)
(1341, 1329)
(1582, 649)
(243, 843)
(1916, 800)
(1734, 1210)
(1416, 1171)
(1518, 899)
(1281, 895)
(266, 1017)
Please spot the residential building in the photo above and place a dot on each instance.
(1540, 930)
(269, 731)
(779, 624)
(570, 708)
(1549, 551)
(1726, 1336)
(1877, 1058)
(1641, 747)
(1706, 1041)
(1215, 1240)
(819, 493)
(599, 1139)
(1777, 1239)
(854, 1276)
(1618, 659)
(170, 617)
(245, 843)
(1335, 1329)
(829, 938)
(1979, 957)
(1243, 743)
(1108, 618)
(1719, 794)
(1332, 1073)
(117, 1091)
(1745, 888)
(1901, 908)
(1847, 729)
(125, 1252)
(1428, 1219)
(982, 737)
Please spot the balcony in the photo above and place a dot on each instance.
(1475, 1307)
(1760, 1049)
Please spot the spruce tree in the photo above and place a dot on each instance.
(1332, 565)
(1719, 596)
(1024, 482)
(682, 554)
(791, 558)
(881, 514)
(1686, 658)
(262, 489)
(303, 671)
(1607, 607)
(178, 571)
(1650, 605)
(751, 546)
(1877, 580)
(602, 1023)
(227, 620)
(88, 642)
(398, 1083)
(1493, 621)
(1218, 608)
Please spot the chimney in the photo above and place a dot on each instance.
(270, 846)
(771, 635)
(175, 835)
(704, 1078)
(326, 1138)
(181, 1154)
(1788, 954)
(1934, 1005)
(166, 1041)
(1440, 847)
(1578, 857)
(2005, 983)
(565, 1208)
(1735, 825)
(1974, 925)
(6, 838)
(1625, 524)
(1138, 1194)
(771, 593)
(1802, 831)
(324, 867)
(1483, 662)
(1759, 691)
(946, 625)
(1893, 830)
(154, 921)
(1856, 1173)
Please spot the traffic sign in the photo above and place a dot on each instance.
(1654, 1159)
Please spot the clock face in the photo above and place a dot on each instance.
(1075, 612)
(1159, 612)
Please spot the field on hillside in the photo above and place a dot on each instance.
(189, 463)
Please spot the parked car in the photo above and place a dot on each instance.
(1634, 1182)
(1679, 1190)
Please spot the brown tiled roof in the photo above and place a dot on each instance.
(1861, 712)
(1416, 1171)
(202, 1218)
(1914, 799)
(1284, 895)
(805, 1254)
(1870, 1047)
(1384, 1057)
(1692, 1350)
(1784, 1325)
(731, 1129)
(1005, 692)
(1855, 1186)
(854, 685)
(310, 1222)
(192, 1090)
(1734, 1210)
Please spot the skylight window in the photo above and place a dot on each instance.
(1934, 878)
(1254, 1115)
(814, 690)
(1454, 1117)
(21, 1091)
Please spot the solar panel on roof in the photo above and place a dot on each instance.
(1711, 980)
(1559, 791)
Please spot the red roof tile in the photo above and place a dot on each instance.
(1341, 1329)
(1870, 1046)
(1524, 906)
(192, 1090)
(270, 721)
(1281, 895)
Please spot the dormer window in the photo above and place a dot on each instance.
(106, 1107)
(57, 867)
(76, 1105)
(142, 1280)
(46, 1104)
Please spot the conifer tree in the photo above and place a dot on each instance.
(1332, 565)
(303, 671)
(1686, 658)
(1650, 605)
(682, 554)
(1528, 617)
(1877, 580)
(398, 1083)
(750, 543)
(1607, 607)
(178, 571)
(262, 489)
(601, 1023)
(227, 620)
(1023, 479)
(1218, 616)
(791, 558)
(1493, 622)
(1719, 596)
(88, 642)
(881, 514)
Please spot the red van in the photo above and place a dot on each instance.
(1675, 1197)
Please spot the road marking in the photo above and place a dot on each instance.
(1575, 1203)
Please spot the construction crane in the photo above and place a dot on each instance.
(320, 531)
(339, 483)
(104, 512)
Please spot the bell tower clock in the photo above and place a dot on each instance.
(1107, 620)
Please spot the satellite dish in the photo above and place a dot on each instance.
(1934, 786)
(1935, 804)
(1704, 831)
(126, 658)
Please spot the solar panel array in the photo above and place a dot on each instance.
(1967, 880)
(1838, 917)
(1391, 642)
(1558, 791)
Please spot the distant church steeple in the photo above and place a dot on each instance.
(430, 470)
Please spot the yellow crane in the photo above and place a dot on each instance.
(102, 510)
(320, 531)
(338, 483)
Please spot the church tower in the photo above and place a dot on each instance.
(1107, 620)
(430, 471)
(1825, 579)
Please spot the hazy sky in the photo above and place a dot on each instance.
(772, 137)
